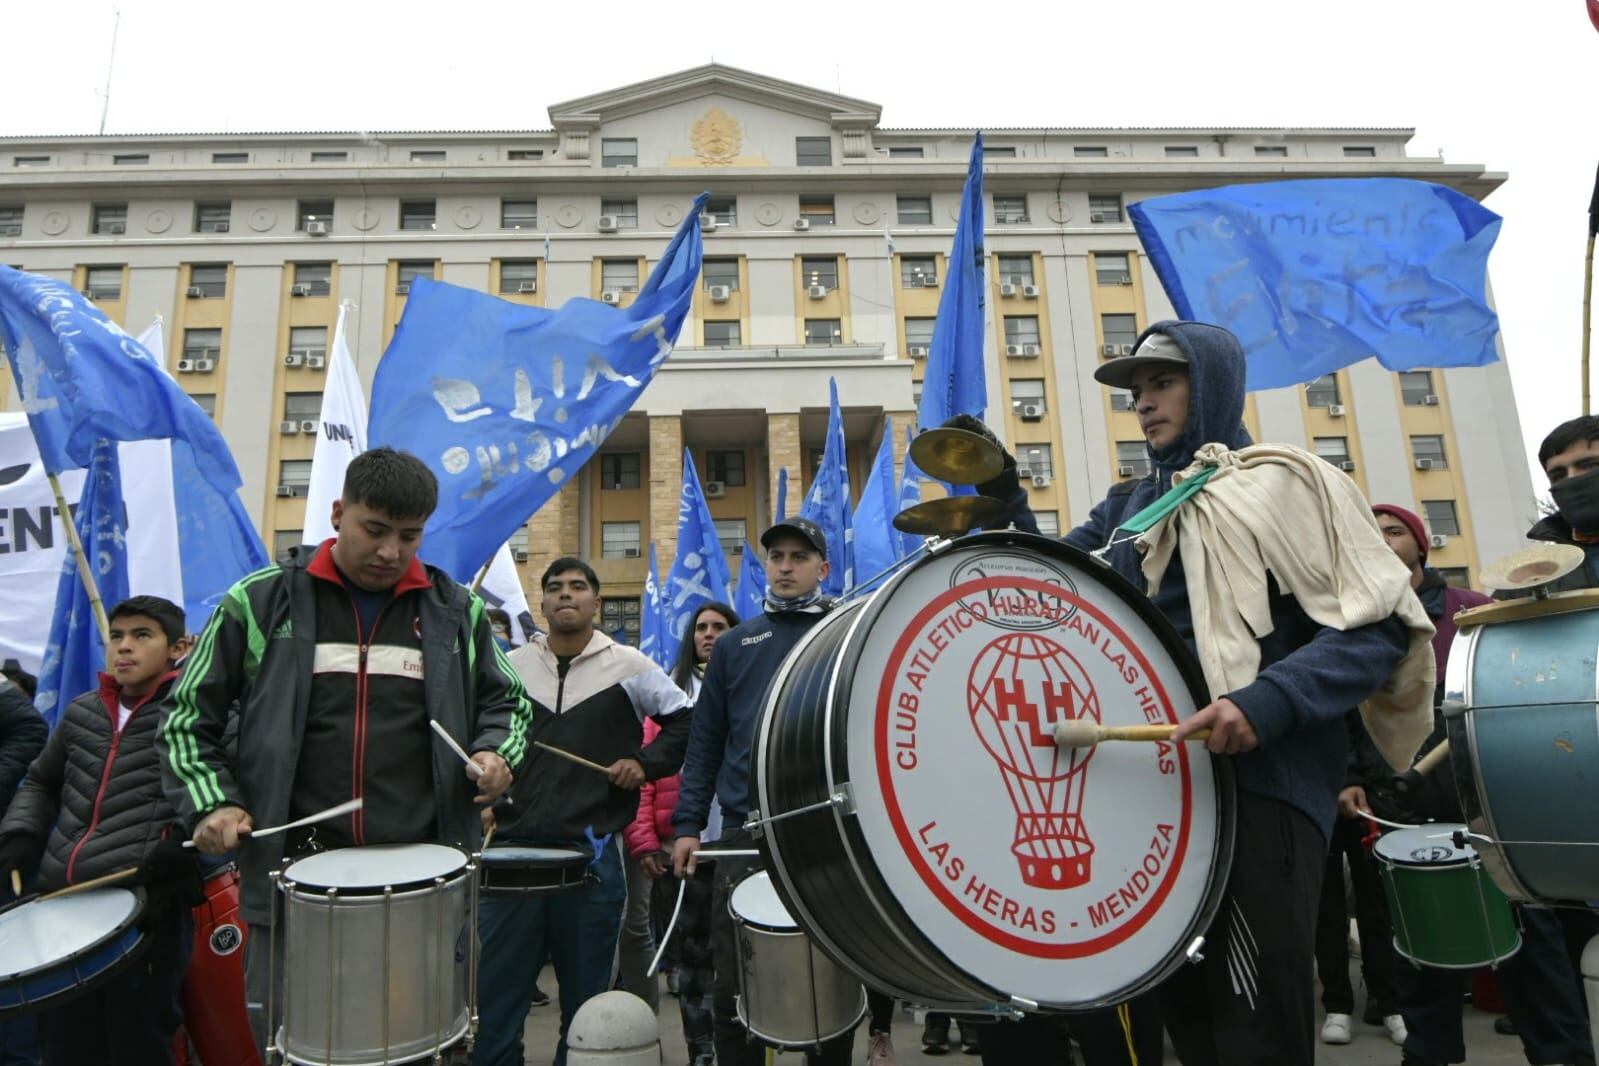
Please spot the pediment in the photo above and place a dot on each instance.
(715, 80)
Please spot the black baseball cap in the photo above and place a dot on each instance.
(802, 528)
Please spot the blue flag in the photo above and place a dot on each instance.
(652, 638)
(910, 494)
(876, 541)
(781, 511)
(505, 403)
(699, 573)
(955, 382)
(828, 502)
(749, 598)
(1315, 275)
(75, 654)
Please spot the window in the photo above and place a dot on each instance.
(308, 340)
(131, 159)
(999, 152)
(302, 407)
(1441, 517)
(918, 271)
(724, 209)
(817, 210)
(719, 272)
(619, 152)
(213, 218)
(314, 211)
(210, 279)
(619, 540)
(1104, 207)
(283, 541)
(820, 270)
(1021, 329)
(109, 219)
(1048, 523)
(10, 220)
(1276, 150)
(916, 395)
(230, 157)
(1121, 400)
(623, 209)
(202, 343)
(1132, 459)
(316, 279)
(723, 334)
(813, 151)
(726, 467)
(428, 155)
(1026, 391)
(1415, 388)
(103, 282)
(906, 152)
(1323, 391)
(518, 543)
(1458, 576)
(731, 532)
(408, 270)
(1333, 449)
(919, 331)
(205, 401)
(620, 614)
(1431, 449)
(1016, 269)
(1112, 268)
(619, 275)
(1182, 151)
(296, 475)
(1359, 151)
(1034, 460)
(1119, 329)
(524, 155)
(519, 275)
(418, 214)
(619, 470)
(30, 161)
(915, 210)
(1090, 151)
(519, 214)
(1010, 210)
(330, 157)
(823, 331)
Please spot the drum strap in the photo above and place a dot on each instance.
(1163, 505)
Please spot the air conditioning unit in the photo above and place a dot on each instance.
(818, 292)
(116, 228)
(527, 286)
(316, 362)
(285, 490)
(802, 224)
(1124, 471)
(715, 490)
(1121, 279)
(402, 289)
(194, 292)
(1108, 350)
(316, 229)
(1031, 349)
(294, 359)
(1429, 400)
(1423, 464)
(309, 426)
(1040, 481)
(630, 553)
(519, 556)
(219, 227)
(288, 428)
(299, 290)
(204, 366)
(707, 223)
(929, 281)
(720, 294)
(917, 351)
(1013, 349)
(1335, 410)
(1007, 289)
(1346, 465)
(1097, 216)
(1024, 471)
(1029, 292)
(1438, 540)
(1124, 349)
(1032, 412)
(185, 366)
(611, 296)
(608, 224)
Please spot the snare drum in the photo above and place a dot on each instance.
(517, 871)
(1446, 912)
(379, 954)
(923, 828)
(52, 950)
(789, 994)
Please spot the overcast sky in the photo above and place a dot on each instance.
(1508, 85)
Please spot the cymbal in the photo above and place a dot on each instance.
(957, 456)
(1532, 566)
(949, 517)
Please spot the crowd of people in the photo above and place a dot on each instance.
(322, 678)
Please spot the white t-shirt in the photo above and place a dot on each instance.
(124, 712)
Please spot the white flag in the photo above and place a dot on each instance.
(341, 436)
(502, 588)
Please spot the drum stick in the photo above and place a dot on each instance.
(727, 853)
(471, 767)
(16, 882)
(311, 819)
(666, 937)
(1428, 762)
(98, 882)
(1084, 733)
(563, 753)
(489, 836)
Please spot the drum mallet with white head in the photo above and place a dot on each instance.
(1085, 733)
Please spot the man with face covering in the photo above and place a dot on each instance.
(1570, 456)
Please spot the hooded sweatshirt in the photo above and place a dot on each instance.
(1310, 676)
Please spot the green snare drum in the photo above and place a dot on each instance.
(1446, 912)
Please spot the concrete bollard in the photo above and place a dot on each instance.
(614, 1029)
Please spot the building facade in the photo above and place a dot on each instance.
(824, 257)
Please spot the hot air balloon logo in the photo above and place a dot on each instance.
(1020, 686)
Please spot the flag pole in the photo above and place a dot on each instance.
(85, 571)
(1587, 290)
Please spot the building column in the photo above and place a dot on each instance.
(551, 533)
(783, 450)
(901, 438)
(666, 486)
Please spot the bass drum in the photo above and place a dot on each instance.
(947, 851)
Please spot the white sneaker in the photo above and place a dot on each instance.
(1335, 1030)
(1395, 1024)
(880, 1050)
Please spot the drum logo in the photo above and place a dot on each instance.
(1045, 602)
(226, 939)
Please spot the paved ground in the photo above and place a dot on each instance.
(1370, 1045)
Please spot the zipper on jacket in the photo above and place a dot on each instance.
(358, 744)
(99, 794)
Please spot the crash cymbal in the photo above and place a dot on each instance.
(1532, 566)
(957, 456)
(949, 517)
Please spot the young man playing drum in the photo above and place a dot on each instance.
(1251, 1001)
(334, 665)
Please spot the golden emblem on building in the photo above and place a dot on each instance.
(716, 137)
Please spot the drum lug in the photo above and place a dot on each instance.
(1023, 1004)
(1453, 708)
(1195, 952)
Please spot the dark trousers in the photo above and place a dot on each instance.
(1251, 1002)
(1371, 921)
(1541, 989)
(129, 1020)
(1126, 1035)
(734, 1047)
(696, 974)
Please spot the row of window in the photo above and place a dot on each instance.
(1415, 387)
(417, 155)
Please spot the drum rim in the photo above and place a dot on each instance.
(55, 999)
(898, 922)
(744, 919)
(1467, 856)
(398, 887)
(499, 858)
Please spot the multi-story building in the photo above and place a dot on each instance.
(826, 258)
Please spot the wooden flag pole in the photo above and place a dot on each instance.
(1587, 289)
(85, 571)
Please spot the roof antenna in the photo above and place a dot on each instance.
(109, 67)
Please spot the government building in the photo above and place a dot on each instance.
(825, 255)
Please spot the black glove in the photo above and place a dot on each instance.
(1006, 485)
(170, 874)
(18, 852)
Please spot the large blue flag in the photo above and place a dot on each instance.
(1314, 275)
(877, 543)
(749, 597)
(910, 494)
(955, 382)
(506, 402)
(699, 573)
(828, 502)
(652, 638)
(76, 654)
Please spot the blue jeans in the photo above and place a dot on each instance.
(576, 930)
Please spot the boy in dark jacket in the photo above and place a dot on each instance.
(93, 804)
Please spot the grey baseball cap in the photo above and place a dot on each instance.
(1156, 350)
